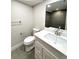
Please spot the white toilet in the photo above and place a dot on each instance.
(29, 41)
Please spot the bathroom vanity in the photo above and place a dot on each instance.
(50, 46)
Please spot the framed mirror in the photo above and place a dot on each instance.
(56, 15)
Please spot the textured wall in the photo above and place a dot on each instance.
(22, 22)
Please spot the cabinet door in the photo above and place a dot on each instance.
(64, 57)
(38, 50)
(38, 56)
(38, 47)
(48, 55)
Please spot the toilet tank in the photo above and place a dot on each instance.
(35, 30)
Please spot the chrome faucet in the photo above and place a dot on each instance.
(57, 32)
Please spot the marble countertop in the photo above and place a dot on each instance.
(60, 47)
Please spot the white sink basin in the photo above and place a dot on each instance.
(58, 40)
(50, 37)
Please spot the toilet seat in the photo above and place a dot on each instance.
(29, 40)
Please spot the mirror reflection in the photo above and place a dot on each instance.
(56, 14)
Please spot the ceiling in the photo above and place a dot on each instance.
(56, 5)
(31, 2)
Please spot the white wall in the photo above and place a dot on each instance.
(39, 14)
(29, 16)
(21, 12)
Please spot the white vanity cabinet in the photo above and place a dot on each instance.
(44, 51)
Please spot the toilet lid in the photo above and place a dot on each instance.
(29, 40)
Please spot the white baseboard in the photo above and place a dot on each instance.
(16, 46)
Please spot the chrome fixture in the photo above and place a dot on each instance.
(58, 31)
